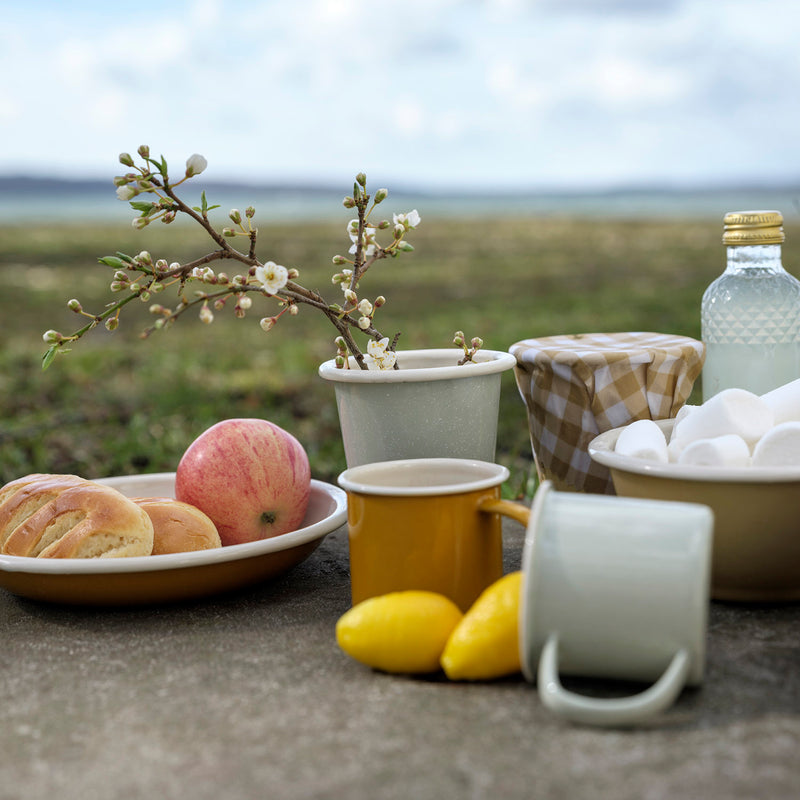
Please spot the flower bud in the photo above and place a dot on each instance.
(339, 362)
(405, 247)
(145, 185)
(126, 192)
(350, 296)
(52, 337)
(339, 260)
(294, 309)
(140, 222)
(161, 264)
(249, 212)
(195, 164)
(144, 296)
(384, 224)
(206, 315)
(75, 305)
(126, 159)
(458, 339)
(362, 179)
(144, 258)
(156, 286)
(245, 301)
(379, 301)
(381, 195)
(156, 309)
(477, 343)
(364, 323)
(348, 202)
(399, 231)
(292, 273)
(365, 307)
(229, 232)
(144, 151)
(112, 323)
(267, 323)
(235, 216)
(120, 180)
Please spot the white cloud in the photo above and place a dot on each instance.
(521, 92)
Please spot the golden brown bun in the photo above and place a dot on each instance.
(178, 527)
(64, 516)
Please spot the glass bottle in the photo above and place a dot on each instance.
(750, 318)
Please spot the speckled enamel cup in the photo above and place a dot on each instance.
(614, 588)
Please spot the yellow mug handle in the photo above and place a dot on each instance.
(508, 508)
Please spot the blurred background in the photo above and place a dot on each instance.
(571, 161)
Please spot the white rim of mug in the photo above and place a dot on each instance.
(529, 562)
(354, 480)
(444, 366)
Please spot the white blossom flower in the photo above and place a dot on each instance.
(410, 220)
(272, 277)
(195, 164)
(378, 357)
(365, 307)
(369, 245)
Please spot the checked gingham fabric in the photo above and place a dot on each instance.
(578, 386)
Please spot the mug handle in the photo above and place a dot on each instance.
(508, 508)
(609, 711)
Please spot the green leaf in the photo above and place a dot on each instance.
(211, 208)
(47, 358)
(143, 206)
(204, 201)
(126, 258)
(112, 261)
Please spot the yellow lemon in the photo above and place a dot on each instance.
(485, 644)
(400, 631)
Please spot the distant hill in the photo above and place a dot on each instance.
(75, 199)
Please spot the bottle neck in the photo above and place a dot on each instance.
(763, 257)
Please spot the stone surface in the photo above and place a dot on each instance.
(248, 696)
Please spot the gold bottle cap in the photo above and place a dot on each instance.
(753, 227)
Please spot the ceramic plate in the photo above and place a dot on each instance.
(176, 576)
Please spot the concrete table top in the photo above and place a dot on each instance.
(248, 696)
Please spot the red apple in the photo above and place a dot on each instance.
(250, 476)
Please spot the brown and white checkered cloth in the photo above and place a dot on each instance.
(576, 387)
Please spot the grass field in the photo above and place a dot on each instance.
(118, 404)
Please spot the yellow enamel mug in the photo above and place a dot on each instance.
(426, 523)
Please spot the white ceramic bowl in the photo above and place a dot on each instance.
(756, 550)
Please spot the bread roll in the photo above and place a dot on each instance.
(178, 527)
(64, 516)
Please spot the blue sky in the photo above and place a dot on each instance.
(504, 94)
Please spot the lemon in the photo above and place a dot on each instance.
(399, 632)
(484, 645)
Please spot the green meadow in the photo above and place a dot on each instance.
(120, 404)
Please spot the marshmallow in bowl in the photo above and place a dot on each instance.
(643, 439)
(784, 402)
(732, 411)
(729, 450)
(780, 447)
